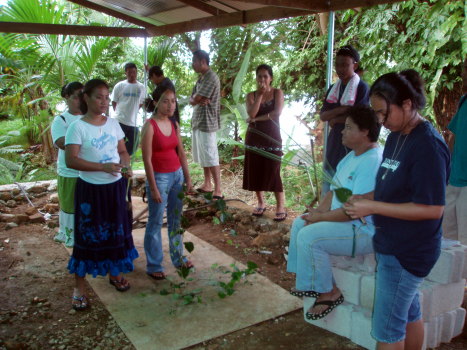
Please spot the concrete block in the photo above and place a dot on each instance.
(367, 291)
(348, 281)
(448, 320)
(441, 298)
(361, 328)
(432, 332)
(369, 263)
(442, 328)
(450, 266)
(459, 321)
(338, 321)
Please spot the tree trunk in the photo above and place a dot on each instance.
(446, 102)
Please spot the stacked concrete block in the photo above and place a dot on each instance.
(441, 298)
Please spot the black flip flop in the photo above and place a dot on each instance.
(278, 218)
(304, 293)
(259, 211)
(217, 197)
(200, 190)
(331, 304)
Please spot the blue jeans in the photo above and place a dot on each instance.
(396, 300)
(169, 186)
(311, 245)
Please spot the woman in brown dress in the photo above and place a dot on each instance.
(262, 173)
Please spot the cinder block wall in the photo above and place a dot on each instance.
(442, 294)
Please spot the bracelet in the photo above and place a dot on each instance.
(269, 117)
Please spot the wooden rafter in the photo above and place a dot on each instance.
(112, 13)
(227, 20)
(320, 5)
(203, 7)
(65, 29)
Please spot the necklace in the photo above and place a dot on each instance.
(395, 154)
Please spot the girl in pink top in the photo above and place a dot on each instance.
(166, 171)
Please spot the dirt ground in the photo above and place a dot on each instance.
(36, 313)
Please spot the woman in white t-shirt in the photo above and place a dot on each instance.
(103, 242)
(66, 181)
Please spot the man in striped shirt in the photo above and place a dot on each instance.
(205, 121)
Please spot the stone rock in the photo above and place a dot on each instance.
(252, 233)
(10, 225)
(53, 198)
(52, 223)
(38, 189)
(19, 198)
(36, 218)
(21, 218)
(272, 260)
(11, 203)
(30, 211)
(51, 208)
(7, 217)
(5, 195)
(15, 191)
(39, 195)
(241, 228)
(267, 240)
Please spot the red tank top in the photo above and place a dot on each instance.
(164, 150)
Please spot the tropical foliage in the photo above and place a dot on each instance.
(427, 35)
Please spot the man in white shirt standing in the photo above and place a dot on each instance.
(127, 98)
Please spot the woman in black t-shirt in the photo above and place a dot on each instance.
(407, 205)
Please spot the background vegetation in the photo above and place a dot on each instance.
(427, 35)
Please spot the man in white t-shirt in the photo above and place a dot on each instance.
(127, 98)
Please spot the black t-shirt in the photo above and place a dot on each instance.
(335, 149)
(417, 171)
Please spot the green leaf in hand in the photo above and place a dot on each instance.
(343, 194)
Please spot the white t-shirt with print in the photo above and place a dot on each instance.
(59, 128)
(129, 96)
(98, 145)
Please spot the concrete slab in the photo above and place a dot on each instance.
(152, 321)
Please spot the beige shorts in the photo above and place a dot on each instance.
(204, 148)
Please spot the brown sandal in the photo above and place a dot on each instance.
(159, 276)
(120, 284)
(80, 303)
(188, 264)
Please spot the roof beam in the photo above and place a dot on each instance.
(320, 5)
(212, 10)
(227, 20)
(65, 29)
(113, 13)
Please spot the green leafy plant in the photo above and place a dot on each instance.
(236, 274)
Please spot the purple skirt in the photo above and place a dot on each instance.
(103, 240)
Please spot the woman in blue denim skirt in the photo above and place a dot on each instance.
(407, 205)
(166, 171)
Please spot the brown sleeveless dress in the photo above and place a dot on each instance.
(261, 173)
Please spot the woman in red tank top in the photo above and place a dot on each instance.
(166, 171)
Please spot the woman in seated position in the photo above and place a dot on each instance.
(327, 229)
(103, 240)
(264, 107)
(407, 205)
(166, 171)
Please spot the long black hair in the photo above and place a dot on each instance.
(395, 88)
(70, 88)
